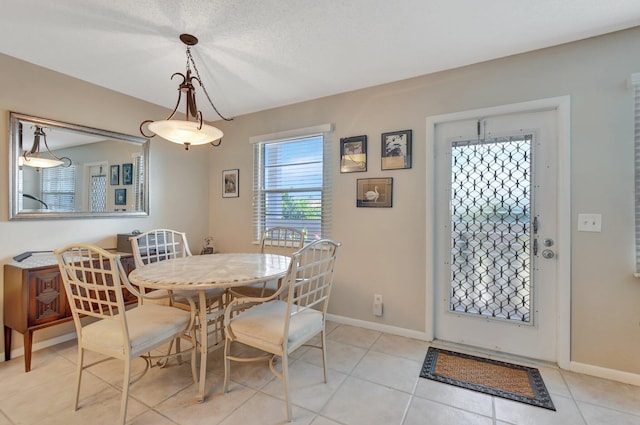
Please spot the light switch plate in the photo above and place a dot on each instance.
(589, 222)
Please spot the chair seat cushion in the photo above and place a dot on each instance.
(264, 325)
(149, 325)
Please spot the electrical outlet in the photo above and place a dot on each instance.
(377, 305)
(589, 222)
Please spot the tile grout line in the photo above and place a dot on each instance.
(347, 374)
(408, 406)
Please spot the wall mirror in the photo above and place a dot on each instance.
(62, 170)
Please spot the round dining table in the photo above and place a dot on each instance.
(200, 273)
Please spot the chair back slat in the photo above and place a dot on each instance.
(91, 277)
(159, 245)
(281, 240)
(310, 276)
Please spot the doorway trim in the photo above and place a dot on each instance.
(562, 106)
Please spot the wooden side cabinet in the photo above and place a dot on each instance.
(34, 298)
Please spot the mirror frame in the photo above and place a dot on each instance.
(14, 155)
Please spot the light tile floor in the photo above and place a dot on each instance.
(373, 378)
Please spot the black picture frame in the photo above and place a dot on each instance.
(127, 173)
(115, 175)
(396, 150)
(231, 183)
(353, 154)
(121, 197)
(374, 192)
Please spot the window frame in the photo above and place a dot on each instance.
(259, 191)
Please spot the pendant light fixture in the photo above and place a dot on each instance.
(34, 158)
(187, 132)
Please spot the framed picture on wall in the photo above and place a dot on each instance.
(375, 193)
(127, 173)
(396, 150)
(115, 175)
(121, 197)
(231, 183)
(353, 154)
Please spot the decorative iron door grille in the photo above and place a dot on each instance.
(490, 228)
(98, 197)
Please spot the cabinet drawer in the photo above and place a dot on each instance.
(47, 298)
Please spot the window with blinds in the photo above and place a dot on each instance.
(292, 186)
(20, 189)
(635, 81)
(138, 183)
(59, 187)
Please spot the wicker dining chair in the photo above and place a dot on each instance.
(278, 327)
(275, 240)
(164, 244)
(93, 280)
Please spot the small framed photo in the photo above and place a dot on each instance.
(353, 154)
(231, 183)
(121, 197)
(127, 173)
(396, 150)
(375, 193)
(115, 175)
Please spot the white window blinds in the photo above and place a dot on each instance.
(59, 187)
(635, 81)
(291, 185)
(20, 189)
(138, 182)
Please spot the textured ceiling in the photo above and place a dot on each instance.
(258, 54)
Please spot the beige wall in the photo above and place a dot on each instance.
(179, 179)
(384, 249)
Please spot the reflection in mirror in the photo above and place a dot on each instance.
(61, 170)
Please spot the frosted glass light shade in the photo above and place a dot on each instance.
(185, 132)
(37, 162)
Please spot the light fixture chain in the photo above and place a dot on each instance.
(204, 89)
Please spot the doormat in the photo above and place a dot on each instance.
(500, 379)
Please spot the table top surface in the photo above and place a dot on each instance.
(211, 271)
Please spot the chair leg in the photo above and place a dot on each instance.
(194, 353)
(164, 362)
(178, 350)
(324, 354)
(227, 364)
(78, 376)
(285, 379)
(194, 370)
(125, 391)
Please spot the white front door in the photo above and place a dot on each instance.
(495, 277)
(97, 188)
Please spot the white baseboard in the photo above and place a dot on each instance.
(18, 352)
(408, 333)
(587, 369)
(602, 372)
(597, 371)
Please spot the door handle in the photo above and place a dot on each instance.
(547, 253)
